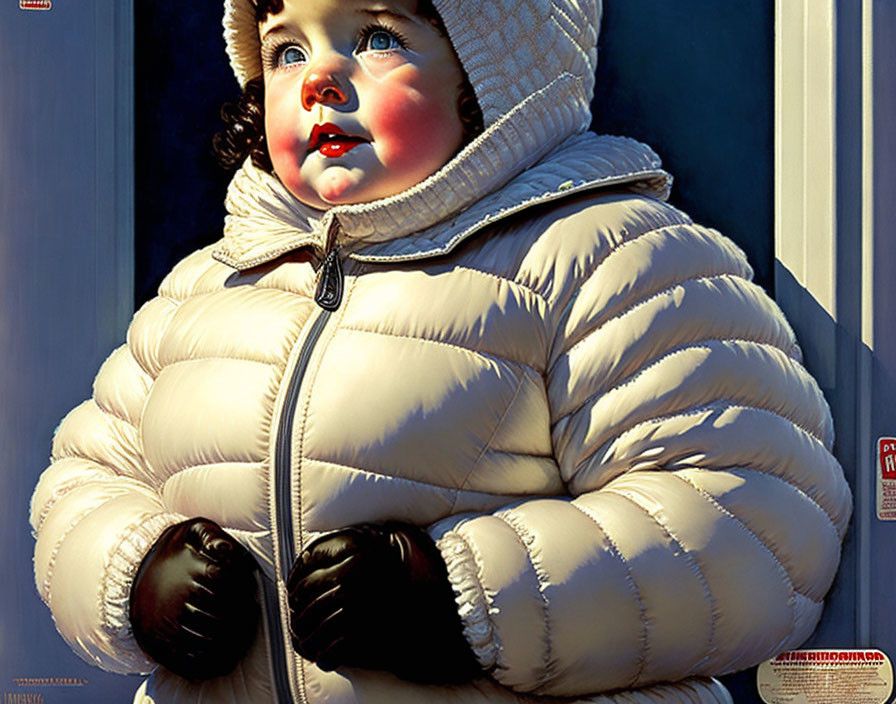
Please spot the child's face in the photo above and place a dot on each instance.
(372, 72)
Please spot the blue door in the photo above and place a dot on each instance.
(66, 289)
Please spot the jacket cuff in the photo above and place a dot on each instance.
(116, 587)
(473, 606)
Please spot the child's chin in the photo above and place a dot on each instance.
(342, 185)
(342, 189)
(339, 185)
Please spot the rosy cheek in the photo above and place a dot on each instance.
(413, 130)
(282, 134)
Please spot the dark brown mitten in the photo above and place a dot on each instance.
(378, 596)
(193, 605)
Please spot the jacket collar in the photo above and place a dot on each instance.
(265, 221)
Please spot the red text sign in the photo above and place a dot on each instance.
(886, 449)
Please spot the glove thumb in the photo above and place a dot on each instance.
(210, 541)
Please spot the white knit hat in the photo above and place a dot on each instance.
(510, 49)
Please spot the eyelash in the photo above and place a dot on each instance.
(271, 54)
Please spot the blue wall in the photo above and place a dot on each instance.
(66, 283)
(182, 79)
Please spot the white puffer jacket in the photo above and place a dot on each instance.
(604, 424)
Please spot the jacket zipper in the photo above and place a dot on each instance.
(328, 296)
(329, 289)
(271, 602)
(332, 278)
(283, 458)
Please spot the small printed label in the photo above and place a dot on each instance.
(50, 681)
(886, 479)
(23, 698)
(826, 677)
(35, 4)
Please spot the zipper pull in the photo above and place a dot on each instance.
(329, 287)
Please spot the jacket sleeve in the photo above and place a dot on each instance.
(97, 509)
(705, 510)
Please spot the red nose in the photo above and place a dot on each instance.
(323, 88)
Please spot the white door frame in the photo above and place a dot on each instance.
(808, 259)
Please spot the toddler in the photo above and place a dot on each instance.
(458, 409)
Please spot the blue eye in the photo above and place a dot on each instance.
(290, 56)
(381, 40)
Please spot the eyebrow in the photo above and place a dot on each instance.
(388, 13)
(279, 28)
(283, 27)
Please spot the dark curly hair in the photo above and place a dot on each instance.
(243, 133)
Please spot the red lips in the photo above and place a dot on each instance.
(332, 140)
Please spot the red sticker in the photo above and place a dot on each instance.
(35, 4)
(886, 479)
(886, 450)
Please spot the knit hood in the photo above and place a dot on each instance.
(531, 64)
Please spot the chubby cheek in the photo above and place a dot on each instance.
(285, 143)
(415, 132)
